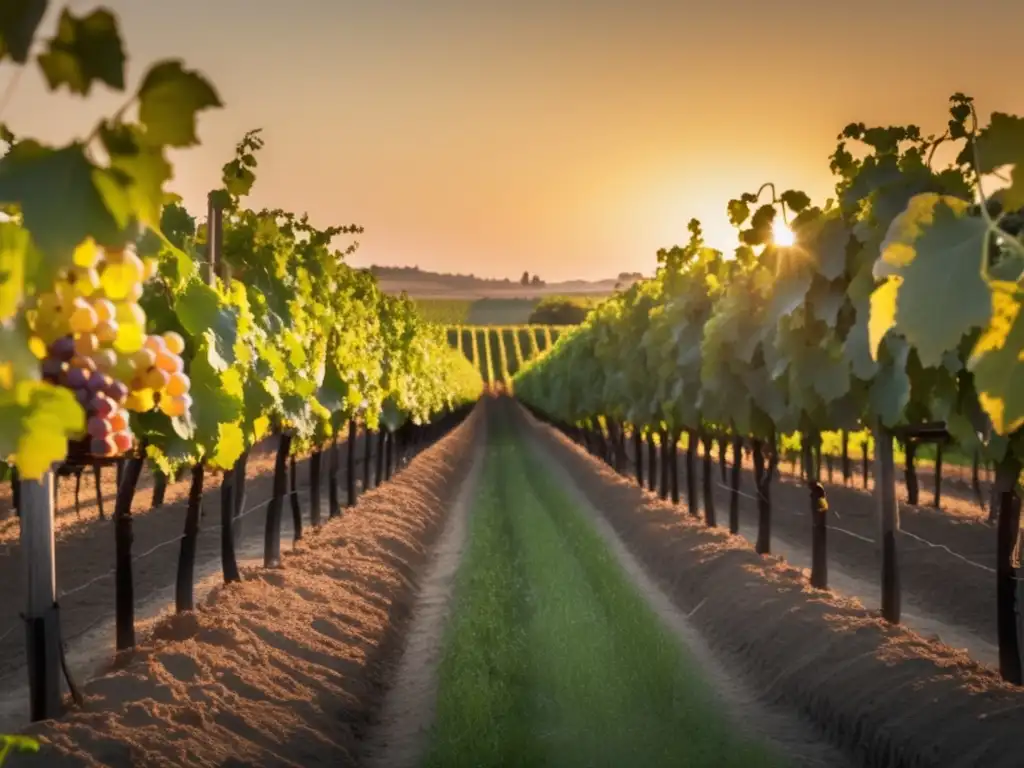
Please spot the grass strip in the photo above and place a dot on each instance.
(553, 658)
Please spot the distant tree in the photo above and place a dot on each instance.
(560, 310)
(537, 282)
(525, 279)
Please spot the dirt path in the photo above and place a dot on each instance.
(793, 738)
(286, 668)
(400, 738)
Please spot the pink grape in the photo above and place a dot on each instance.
(123, 440)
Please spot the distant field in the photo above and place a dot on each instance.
(488, 311)
(500, 351)
(476, 311)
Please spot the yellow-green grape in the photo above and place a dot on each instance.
(38, 347)
(83, 319)
(175, 406)
(168, 362)
(85, 280)
(130, 312)
(86, 254)
(135, 292)
(86, 344)
(48, 304)
(174, 342)
(120, 274)
(140, 400)
(144, 359)
(85, 363)
(150, 266)
(106, 360)
(124, 368)
(130, 337)
(106, 331)
(155, 379)
(178, 384)
(105, 309)
(155, 343)
(65, 291)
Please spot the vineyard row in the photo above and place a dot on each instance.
(499, 352)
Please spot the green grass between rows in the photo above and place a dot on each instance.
(551, 657)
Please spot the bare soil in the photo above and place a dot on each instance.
(84, 544)
(399, 739)
(947, 560)
(882, 693)
(288, 667)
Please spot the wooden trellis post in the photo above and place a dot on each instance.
(889, 520)
(42, 625)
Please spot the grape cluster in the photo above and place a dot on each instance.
(92, 340)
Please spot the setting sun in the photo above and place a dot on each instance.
(782, 235)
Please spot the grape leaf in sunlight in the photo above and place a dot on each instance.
(1001, 143)
(203, 312)
(997, 361)
(168, 449)
(14, 244)
(882, 314)
(216, 399)
(230, 445)
(169, 98)
(936, 291)
(19, 20)
(144, 165)
(85, 50)
(36, 420)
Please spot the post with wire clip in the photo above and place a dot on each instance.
(42, 623)
(819, 536)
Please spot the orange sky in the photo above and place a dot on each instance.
(570, 139)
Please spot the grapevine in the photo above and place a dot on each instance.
(897, 302)
(116, 334)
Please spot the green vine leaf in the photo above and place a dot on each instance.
(144, 168)
(19, 20)
(14, 245)
(1001, 143)
(936, 291)
(997, 361)
(169, 99)
(85, 50)
(64, 198)
(36, 422)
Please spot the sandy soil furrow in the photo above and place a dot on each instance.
(287, 668)
(400, 738)
(84, 550)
